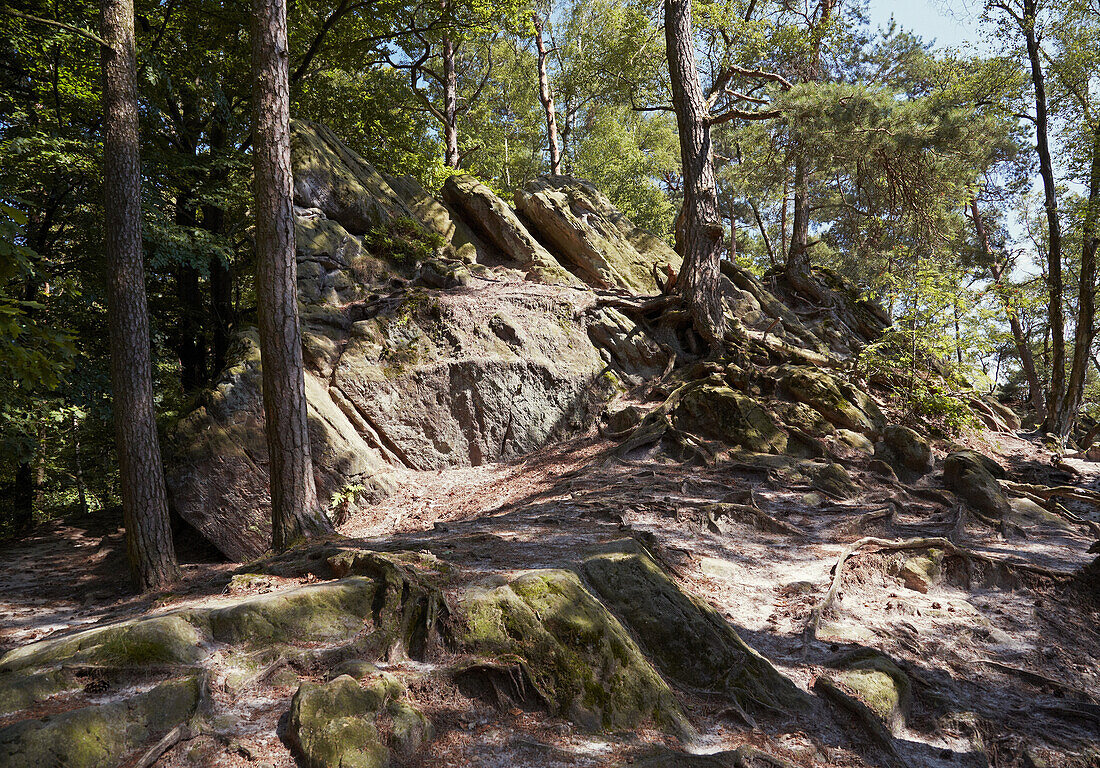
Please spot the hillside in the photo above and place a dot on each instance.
(569, 535)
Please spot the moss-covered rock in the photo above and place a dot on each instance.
(972, 476)
(805, 418)
(585, 230)
(877, 683)
(337, 724)
(580, 659)
(906, 451)
(174, 638)
(687, 639)
(721, 413)
(499, 223)
(331, 611)
(20, 689)
(100, 736)
(922, 572)
(836, 400)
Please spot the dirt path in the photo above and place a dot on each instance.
(1018, 656)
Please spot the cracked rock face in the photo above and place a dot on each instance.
(435, 332)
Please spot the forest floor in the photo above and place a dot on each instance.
(1017, 651)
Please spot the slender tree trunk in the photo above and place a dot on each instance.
(144, 500)
(1023, 349)
(1055, 310)
(798, 257)
(221, 281)
(701, 228)
(546, 96)
(190, 336)
(450, 102)
(81, 490)
(295, 513)
(23, 498)
(763, 233)
(783, 221)
(1085, 331)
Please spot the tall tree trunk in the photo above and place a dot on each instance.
(190, 336)
(1023, 349)
(1055, 311)
(144, 500)
(294, 510)
(450, 102)
(221, 281)
(701, 231)
(546, 96)
(1085, 331)
(23, 498)
(81, 489)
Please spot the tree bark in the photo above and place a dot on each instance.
(295, 513)
(1023, 349)
(546, 96)
(450, 102)
(144, 500)
(23, 498)
(221, 281)
(700, 230)
(798, 257)
(1085, 332)
(190, 336)
(1055, 311)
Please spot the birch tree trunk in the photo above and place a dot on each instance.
(546, 96)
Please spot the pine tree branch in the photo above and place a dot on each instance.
(56, 24)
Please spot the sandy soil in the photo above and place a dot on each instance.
(1021, 656)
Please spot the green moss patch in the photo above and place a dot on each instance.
(579, 657)
(687, 639)
(99, 736)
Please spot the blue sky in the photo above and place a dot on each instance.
(952, 23)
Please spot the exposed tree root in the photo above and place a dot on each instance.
(809, 634)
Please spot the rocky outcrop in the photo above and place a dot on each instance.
(598, 242)
(454, 331)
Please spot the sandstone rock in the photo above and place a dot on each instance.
(173, 638)
(973, 477)
(584, 229)
(722, 413)
(338, 724)
(499, 223)
(330, 177)
(836, 400)
(101, 736)
(873, 686)
(855, 441)
(689, 641)
(906, 451)
(922, 572)
(579, 658)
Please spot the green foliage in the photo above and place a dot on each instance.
(403, 240)
(927, 389)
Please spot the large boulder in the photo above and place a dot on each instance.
(689, 641)
(353, 723)
(906, 451)
(974, 478)
(586, 231)
(721, 413)
(103, 735)
(579, 658)
(840, 403)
